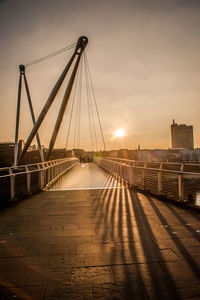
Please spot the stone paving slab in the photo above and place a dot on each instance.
(99, 244)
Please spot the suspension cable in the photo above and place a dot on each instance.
(76, 117)
(91, 111)
(89, 108)
(51, 55)
(93, 123)
(79, 112)
(95, 103)
(75, 114)
(72, 109)
(77, 126)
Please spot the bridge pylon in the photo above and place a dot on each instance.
(23, 76)
(80, 46)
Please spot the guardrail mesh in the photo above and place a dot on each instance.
(151, 180)
(166, 179)
(21, 181)
(5, 189)
(20, 185)
(35, 181)
(170, 185)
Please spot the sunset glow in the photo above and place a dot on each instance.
(137, 64)
(119, 133)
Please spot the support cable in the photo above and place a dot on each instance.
(88, 106)
(93, 124)
(47, 106)
(95, 104)
(79, 111)
(72, 109)
(76, 116)
(92, 111)
(50, 55)
(75, 144)
(81, 44)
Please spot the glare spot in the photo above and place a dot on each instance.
(119, 132)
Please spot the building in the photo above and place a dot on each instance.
(182, 136)
(6, 154)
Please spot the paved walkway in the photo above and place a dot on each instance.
(85, 177)
(110, 243)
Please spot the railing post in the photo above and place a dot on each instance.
(163, 181)
(159, 182)
(42, 171)
(28, 173)
(48, 174)
(53, 172)
(144, 175)
(131, 175)
(160, 179)
(120, 170)
(125, 171)
(12, 185)
(56, 170)
(180, 187)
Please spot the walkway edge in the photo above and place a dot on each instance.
(57, 177)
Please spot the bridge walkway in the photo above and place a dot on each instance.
(98, 240)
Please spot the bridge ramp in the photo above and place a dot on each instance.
(85, 176)
(98, 243)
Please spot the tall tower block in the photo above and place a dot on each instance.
(182, 136)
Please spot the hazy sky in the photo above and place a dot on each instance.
(144, 58)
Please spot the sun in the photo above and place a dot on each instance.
(119, 133)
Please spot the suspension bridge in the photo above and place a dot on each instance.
(109, 228)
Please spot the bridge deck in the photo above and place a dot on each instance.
(101, 243)
(85, 176)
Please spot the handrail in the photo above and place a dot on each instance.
(40, 163)
(18, 185)
(174, 184)
(153, 162)
(160, 169)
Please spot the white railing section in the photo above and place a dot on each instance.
(22, 181)
(180, 182)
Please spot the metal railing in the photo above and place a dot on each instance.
(165, 179)
(21, 181)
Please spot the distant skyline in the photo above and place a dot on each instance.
(144, 57)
